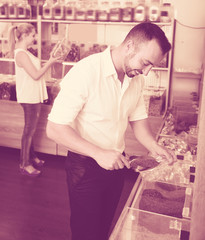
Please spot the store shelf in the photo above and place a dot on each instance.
(188, 74)
(159, 69)
(44, 30)
(7, 59)
(73, 63)
(68, 63)
(11, 127)
(98, 22)
(17, 20)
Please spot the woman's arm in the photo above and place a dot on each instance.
(23, 60)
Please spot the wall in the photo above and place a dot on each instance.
(190, 35)
(102, 34)
(189, 49)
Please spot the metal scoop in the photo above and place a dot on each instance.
(142, 163)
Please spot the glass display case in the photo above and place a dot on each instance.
(142, 225)
(155, 210)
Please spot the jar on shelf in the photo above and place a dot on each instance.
(47, 11)
(80, 13)
(127, 11)
(40, 7)
(12, 10)
(70, 9)
(33, 4)
(166, 13)
(3, 10)
(103, 11)
(154, 12)
(23, 10)
(91, 12)
(58, 10)
(115, 14)
(139, 13)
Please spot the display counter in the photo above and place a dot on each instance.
(160, 203)
(146, 217)
(11, 127)
(12, 122)
(158, 207)
(12, 118)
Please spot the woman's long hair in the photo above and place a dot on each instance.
(15, 34)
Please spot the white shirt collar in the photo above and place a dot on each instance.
(109, 66)
(108, 63)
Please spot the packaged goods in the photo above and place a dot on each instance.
(61, 49)
(177, 173)
(175, 143)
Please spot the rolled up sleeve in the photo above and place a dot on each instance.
(71, 98)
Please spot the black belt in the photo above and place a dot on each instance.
(86, 157)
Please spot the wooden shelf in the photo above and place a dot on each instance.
(11, 127)
(7, 59)
(17, 20)
(98, 22)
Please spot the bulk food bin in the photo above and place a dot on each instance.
(155, 210)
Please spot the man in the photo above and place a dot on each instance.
(99, 96)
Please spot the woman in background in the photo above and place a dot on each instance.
(30, 90)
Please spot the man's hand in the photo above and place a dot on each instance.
(111, 160)
(162, 153)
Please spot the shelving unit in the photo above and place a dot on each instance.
(41, 22)
(103, 33)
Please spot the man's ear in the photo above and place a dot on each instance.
(130, 46)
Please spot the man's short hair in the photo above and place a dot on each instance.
(147, 31)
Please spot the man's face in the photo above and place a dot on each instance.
(141, 60)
